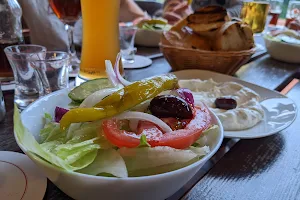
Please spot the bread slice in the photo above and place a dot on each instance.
(191, 40)
(185, 39)
(199, 18)
(234, 36)
(205, 27)
(179, 25)
(210, 9)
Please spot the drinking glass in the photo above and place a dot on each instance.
(275, 10)
(255, 15)
(52, 70)
(100, 40)
(28, 85)
(293, 12)
(127, 35)
(68, 11)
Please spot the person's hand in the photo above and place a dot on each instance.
(141, 19)
(174, 13)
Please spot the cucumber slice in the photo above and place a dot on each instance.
(79, 93)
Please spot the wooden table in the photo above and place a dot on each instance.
(267, 168)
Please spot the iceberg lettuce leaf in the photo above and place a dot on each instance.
(108, 161)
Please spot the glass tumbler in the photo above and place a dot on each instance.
(255, 15)
(127, 35)
(28, 85)
(52, 70)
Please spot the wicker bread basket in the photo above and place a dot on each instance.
(225, 62)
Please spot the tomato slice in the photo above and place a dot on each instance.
(179, 139)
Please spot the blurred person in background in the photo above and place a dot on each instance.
(175, 10)
(47, 30)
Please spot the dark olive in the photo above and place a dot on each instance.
(225, 103)
(170, 106)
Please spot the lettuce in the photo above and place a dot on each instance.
(210, 134)
(143, 142)
(83, 148)
(70, 157)
(107, 161)
(149, 161)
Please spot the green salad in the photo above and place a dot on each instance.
(125, 130)
(154, 25)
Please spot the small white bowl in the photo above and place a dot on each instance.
(148, 38)
(282, 51)
(81, 186)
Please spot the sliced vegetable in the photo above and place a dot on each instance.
(111, 73)
(79, 93)
(117, 71)
(186, 94)
(122, 100)
(179, 139)
(145, 117)
(59, 113)
(32, 147)
(96, 97)
(149, 161)
(52, 132)
(143, 142)
(109, 162)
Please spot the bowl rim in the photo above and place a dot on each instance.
(43, 162)
(265, 36)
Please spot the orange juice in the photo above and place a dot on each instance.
(100, 36)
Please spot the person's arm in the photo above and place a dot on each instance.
(234, 7)
(130, 11)
(175, 10)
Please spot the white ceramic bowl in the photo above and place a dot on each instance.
(81, 186)
(282, 51)
(148, 38)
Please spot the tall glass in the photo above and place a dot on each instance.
(68, 11)
(275, 10)
(100, 36)
(255, 15)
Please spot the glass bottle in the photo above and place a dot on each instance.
(10, 33)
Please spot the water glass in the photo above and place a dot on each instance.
(28, 85)
(127, 35)
(52, 70)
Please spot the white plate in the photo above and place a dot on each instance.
(20, 178)
(280, 111)
(139, 62)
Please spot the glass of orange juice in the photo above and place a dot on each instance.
(100, 37)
